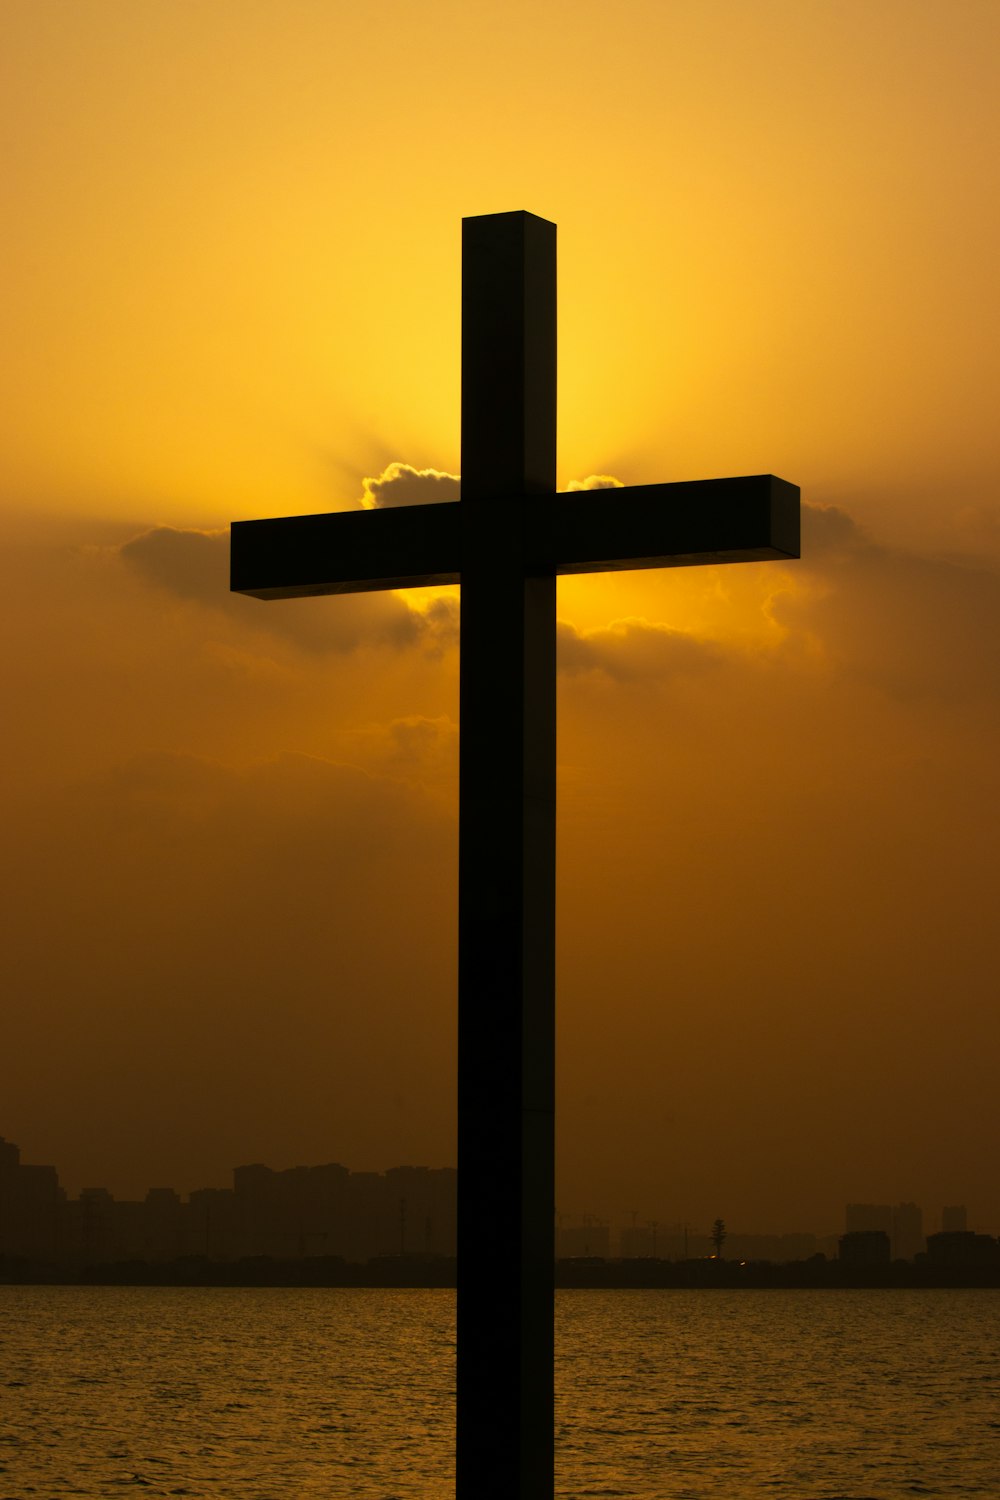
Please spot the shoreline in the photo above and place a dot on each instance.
(395, 1272)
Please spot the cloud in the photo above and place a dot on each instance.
(828, 531)
(418, 748)
(401, 484)
(914, 625)
(633, 650)
(194, 566)
(418, 740)
(596, 482)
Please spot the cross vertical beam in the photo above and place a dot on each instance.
(506, 959)
(505, 542)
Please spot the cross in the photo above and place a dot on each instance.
(506, 541)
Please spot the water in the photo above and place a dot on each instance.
(279, 1394)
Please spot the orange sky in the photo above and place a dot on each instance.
(231, 289)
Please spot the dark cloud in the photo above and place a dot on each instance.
(191, 564)
(827, 531)
(633, 650)
(417, 740)
(194, 565)
(915, 625)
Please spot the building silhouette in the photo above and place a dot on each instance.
(31, 1204)
(329, 1210)
(904, 1226)
(963, 1250)
(865, 1247)
(865, 1218)
(907, 1231)
(287, 1215)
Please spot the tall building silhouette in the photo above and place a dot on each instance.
(30, 1204)
(907, 1232)
(903, 1225)
(866, 1218)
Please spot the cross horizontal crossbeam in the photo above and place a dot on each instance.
(750, 519)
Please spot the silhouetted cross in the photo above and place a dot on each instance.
(505, 541)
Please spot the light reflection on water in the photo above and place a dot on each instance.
(268, 1394)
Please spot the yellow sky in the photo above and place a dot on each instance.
(231, 289)
(233, 239)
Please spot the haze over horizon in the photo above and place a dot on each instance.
(233, 291)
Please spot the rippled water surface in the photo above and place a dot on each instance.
(666, 1395)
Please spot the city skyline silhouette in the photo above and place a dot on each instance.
(406, 1212)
